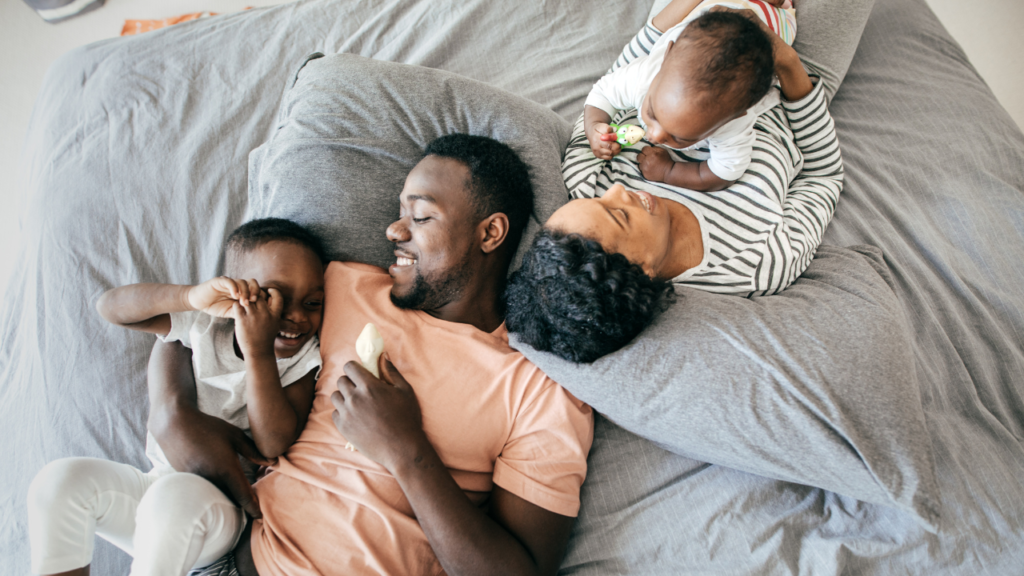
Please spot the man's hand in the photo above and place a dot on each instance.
(655, 163)
(602, 140)
(208, 446)
(380, 417)
(216, 297)
(257, 323)
(192, 441)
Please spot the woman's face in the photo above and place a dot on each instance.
(634, 224)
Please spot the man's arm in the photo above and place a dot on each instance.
(383, 421)
(192, 441)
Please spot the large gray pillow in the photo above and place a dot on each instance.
(351, 128)
(815, 385)
(827, 35)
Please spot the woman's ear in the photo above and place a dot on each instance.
(493, 231)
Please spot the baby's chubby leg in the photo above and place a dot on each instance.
(183, 522)
(72, 500)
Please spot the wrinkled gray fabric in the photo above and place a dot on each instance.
(935, 178)
(814, 386)
(338, 155)
(136, 163)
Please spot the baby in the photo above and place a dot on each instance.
(702, 85)
(255, 355)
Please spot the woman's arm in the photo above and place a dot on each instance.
(813, 195)
(383, 421)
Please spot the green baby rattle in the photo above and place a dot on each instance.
(626, 135)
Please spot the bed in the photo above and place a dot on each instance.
(136, 163)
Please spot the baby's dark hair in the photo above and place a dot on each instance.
(256, 233)
(500, 179)
(738, 61)
(574, 299)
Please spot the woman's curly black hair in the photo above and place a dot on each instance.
(573, 299)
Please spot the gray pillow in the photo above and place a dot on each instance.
(827, 35)
(351, 128)
(815, 385)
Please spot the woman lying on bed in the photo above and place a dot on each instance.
(604, 265)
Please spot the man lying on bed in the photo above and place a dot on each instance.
(467, 457)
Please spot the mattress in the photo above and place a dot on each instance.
(136, 167)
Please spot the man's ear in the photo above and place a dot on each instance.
(492, 232)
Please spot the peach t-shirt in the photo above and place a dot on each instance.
(492, 416)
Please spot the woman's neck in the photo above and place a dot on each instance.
(687, 249)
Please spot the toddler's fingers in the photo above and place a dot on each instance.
(254, 289)
(609, 137)
(242, 289)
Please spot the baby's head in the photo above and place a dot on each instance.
(721, 65)
(280, 254)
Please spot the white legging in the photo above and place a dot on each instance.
(170, 523)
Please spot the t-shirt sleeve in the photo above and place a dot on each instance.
(617, 90)
(181, 327)
(307, 362)
(544, 460)
(731, 148)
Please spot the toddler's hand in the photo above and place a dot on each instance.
(655, 163)
(784, 4)
(217, 296)
(602, 140)
(257, 324)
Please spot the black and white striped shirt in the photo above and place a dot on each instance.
(761, 232)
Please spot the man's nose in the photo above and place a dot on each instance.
(397, 231)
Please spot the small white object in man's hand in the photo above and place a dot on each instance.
(369, 347)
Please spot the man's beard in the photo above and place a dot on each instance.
(433, 295)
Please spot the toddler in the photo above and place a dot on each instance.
(702, 85)
(255, 356)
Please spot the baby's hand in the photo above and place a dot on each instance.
(257, 324)
(217, 296)
(602, 140)
(655, 163)
(784, 4)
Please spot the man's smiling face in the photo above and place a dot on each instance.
(433, 236)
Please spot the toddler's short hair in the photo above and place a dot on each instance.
(256, 233)
(738, 60)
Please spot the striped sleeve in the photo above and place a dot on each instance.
(640, 45)
(617, 89)
(811, 200)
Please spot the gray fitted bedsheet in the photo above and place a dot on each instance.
(136, 163)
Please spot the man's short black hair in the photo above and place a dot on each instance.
(256, 233)
(738, 60)
(500, 179)
(573, 299)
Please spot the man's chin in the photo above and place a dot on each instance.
(409, 300)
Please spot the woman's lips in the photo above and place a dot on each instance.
(648, 200)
